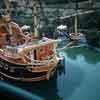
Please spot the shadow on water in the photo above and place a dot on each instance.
(90, 55)
(70, 79)
(11, 92)
(45, 89)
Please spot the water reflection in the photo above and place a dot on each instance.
(70, 79)
(61, 65)
(91, 56)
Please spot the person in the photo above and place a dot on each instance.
(44, 38)
(3, 30)
(26, 30)
(12, 29)
(63, 32)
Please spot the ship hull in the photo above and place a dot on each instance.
(28, 73)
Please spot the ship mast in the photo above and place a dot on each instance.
(7, 4)
(76, 18)
(76, 22)
(36, 16)
(8, 12)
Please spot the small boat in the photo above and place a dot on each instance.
(29, 61)
(76, 36)
(63, 34)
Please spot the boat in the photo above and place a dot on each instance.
(63, 33)
(77, 36)
(24, 58)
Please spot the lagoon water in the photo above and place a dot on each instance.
(78, 79)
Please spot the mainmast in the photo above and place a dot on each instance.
(8, 10)
(76, 18)
(36, 16)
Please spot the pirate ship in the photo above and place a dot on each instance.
(24, 58)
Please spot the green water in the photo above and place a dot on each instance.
(79, 79)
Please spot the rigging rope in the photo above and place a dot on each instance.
(69, 45)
